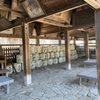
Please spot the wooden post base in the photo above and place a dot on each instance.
(68, 67)
(88, 59)
(27, 80)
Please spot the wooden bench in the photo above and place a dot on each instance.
(90, 74)
(5, 80)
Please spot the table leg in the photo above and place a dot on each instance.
(8, 88)
(80, 81)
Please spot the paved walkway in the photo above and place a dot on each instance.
(52, 83)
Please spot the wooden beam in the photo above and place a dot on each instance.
(19, 36)
(97, 25)
(26, 56)
(17, 14)
(67, 50)
(10, 35)
(76, 33)
(94, 3)
(52, 22)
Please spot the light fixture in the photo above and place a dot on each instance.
(94, 3)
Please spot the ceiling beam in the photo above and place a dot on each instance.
(52, 22)
(19, 36)
(94, 3)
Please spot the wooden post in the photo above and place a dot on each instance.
(26, 56)
(31, 27)
(86, 40)
(75, 42)
(59, 41)
(97, 25)
(67, 50)
(37, 41)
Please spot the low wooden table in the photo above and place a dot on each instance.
(90, 74)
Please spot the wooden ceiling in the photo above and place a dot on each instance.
(45, 17)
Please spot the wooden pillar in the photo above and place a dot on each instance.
(37, 41)
(67, 50)
(59, 41)
(75, 42)
(31, 27)
(97, 25)
(26, 55)
(86, 40)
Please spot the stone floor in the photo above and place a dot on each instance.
(52, 83)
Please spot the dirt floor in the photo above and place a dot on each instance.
(53, 83)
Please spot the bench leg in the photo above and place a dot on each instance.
(80, 81)
(8, 88)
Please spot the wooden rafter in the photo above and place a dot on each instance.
(53, 22)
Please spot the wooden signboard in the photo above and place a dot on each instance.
(32, 8)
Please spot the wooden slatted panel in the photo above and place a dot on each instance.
(8, 53)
